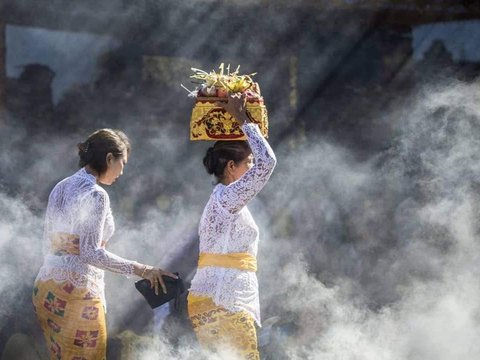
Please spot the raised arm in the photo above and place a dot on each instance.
(94, 212)
(237, 194)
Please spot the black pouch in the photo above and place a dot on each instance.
(174, 287)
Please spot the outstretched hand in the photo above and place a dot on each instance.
(154, 275)
(236, 106)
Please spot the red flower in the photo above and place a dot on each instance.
(54, 304)
(86, 338)
(90, 313)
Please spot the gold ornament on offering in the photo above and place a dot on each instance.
(211, 122)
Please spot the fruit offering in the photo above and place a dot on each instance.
(211, 122)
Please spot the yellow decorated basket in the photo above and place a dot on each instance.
(210, 122)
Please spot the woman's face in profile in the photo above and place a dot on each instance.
(242, 167)
(115, 167)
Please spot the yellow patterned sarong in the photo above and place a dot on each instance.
(217, 328)
(72, 321)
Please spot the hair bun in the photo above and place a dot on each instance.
(208, 160)
(218, 156)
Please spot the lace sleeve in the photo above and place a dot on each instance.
(47, 227)
(237, 194)
(95, 208)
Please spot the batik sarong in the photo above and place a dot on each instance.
(217, 328)
(72, 321)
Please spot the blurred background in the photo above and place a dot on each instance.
(369, 225)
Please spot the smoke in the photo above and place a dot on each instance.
(358, 260)
(17, 240)
(361, 257)
(404, 278)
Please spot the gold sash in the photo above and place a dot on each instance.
(66, 244)
(242, 261)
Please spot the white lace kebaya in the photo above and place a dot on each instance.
(227, 226)
(79, 208)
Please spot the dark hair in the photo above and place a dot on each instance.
(222, 152)
(94, 150)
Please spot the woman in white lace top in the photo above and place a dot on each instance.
(223, 301)
(68, 294)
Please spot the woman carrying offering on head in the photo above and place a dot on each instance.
(68, 294)
(223, 303)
